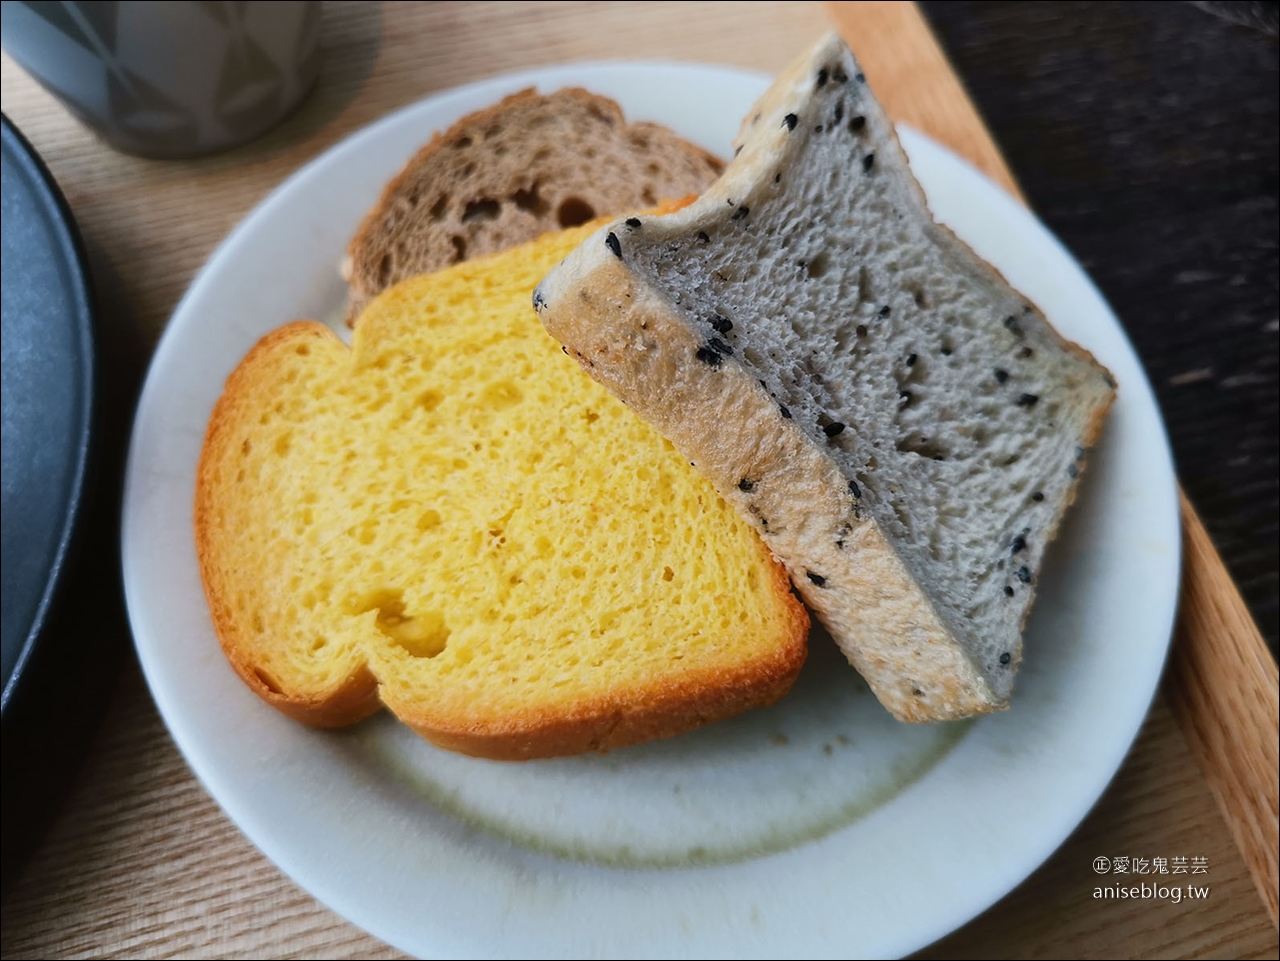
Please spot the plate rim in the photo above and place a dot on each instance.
(70, 246)
(356, 141)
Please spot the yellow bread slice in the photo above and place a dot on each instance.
(450, 519)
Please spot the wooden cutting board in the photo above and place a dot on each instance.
(142, 863)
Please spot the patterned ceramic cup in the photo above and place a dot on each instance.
(171, 79)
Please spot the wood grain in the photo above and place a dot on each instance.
(142, 863)
(1223, 684)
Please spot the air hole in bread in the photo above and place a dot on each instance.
(482, 209)
(917, 443)
(529, 201)
(438, 208)
(422, 634)
(818, 265)
(574, 212)
(648, 195)
(459, 248)
(502, 394)
(267, 681)
(461, 143)
(865, 293)
(384, 269)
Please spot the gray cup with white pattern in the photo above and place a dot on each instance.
(169, 79)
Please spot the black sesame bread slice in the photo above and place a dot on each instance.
(528, 165)
(903, 428)
(448, 519)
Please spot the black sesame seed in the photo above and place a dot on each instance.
(839, 113)
(1008, 591)
(818, 129)
(840, 544)
(538, 300)
(1080, 453)
(1024, 574)
(946, 351)
(917, 692)
(861, 78)
(833, 429)
(1001, 375)
(564, 350)
(1005, 658)
(1025, 352)
(719, 346)
(861, 330)
(764, 522)
(737, 150)
(1027, 400)
(868, 160)
(1038, 496)
(885, 311)
(1011, 324)
(1019, 544)
(777, 178)
(817, 579)
(856, 123)
(709, 357)
(839, 76)
(613, 244)
(790, 121)
(911, 360)
(1073, 471)
(1110, 381)
(722, 324)
(785, 413)
(740, 213)
(703, 238)
(746, 485)
(906, 396)
(633, 222)
(855, 490)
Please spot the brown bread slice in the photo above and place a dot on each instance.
(530, 164)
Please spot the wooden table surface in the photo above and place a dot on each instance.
(141, 862)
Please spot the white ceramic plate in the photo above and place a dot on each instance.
(819, 827)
